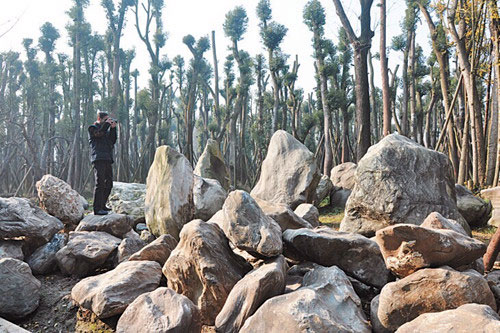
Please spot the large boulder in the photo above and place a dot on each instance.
(400, 181)
(161, 310)
(250, 292)
(407, 248)
(342, 177)
(355, 254)
(85, 251)
(283, 215)
(169, 193)
(58, 199)
(128, 199)
(309, 213)
(493, 194)
(475, 210)
(211, 164)
(158, 250)
(43, 260)
(248, 228)
(19, 289)
(110, 293)
(325, 303)
(204, 268)
(208, 197)
(114, 224)
(289, 172)
(323, 189)
(11, 249)
(427, 290)
(459, 320)
(20, 218)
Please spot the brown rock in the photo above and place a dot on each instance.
(130, 244)
(114, 224)
(438, 221)
(283, 215)
(493, 194)
(159, 250)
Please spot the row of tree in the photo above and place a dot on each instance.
(447, 100)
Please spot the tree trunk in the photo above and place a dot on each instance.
(386, 95)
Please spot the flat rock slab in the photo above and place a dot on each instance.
(43, 260)
(355, 254)
(283, 215)
(128, 199)
(161, 310)
(19, 289)
(20, 218)
(427, 290)
(248, 228)
(11, 249)
(325, 303)
(85, 251)
(250, 292)
(110, 293)
(204, 268)
(460, 320)
(114, 224)
(407, 248)
(158, 250)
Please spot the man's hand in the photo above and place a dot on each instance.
(113, 124)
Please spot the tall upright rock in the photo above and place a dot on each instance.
(211, 164)
(289, 172)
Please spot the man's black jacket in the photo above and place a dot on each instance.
(102, 139)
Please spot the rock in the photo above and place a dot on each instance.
(19, 289)
(147, 237)
(218, 219)
(159, 250)
(356, 255)
(139, 227)
(326, 303)
(407, 248)
(248, 228)
(161, 310)
(129, 245)
(427, 290)
(11, 249)
(493, 279)
(283, 215)
(249, 293)
(400, 181)
(493, 194)
(8, 327)
(323, 189)
(114, 224)
(128, 199)
(43, 260)
(110, 293)
(459, 320)
(208, 197)
(211, 164)
(58, 199)
(20, 218)
(309, 213)
(203, 268)
(475, 210)
(342, 177)
(438, 221)
(85, 251)
(289, 173)
(169, 193)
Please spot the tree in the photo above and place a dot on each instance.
(386, 95)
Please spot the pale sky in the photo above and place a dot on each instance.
(199, 18)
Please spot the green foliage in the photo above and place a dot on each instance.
(48, 38)
(273, 35)
(314, 16)
(264, 12)
(236, 24)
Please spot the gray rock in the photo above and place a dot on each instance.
(130, 244)
(161, 310)
(169, 193)
(11, 249)
(475, 210)
(289, 173)
(493, 279)
(283, 215)
(20, 218)
(159, 250)
(139, 227)
(43, 260)
(114, 224)
(85, 251)
(208, 197)
(248, 228)
(342, 177)
(203, 268)
(356, 255)
(147, 236)
(249, 293)
(19, 289)
(110, 293)
(399, 181)
(309, 213)
(323, 189)
(326, 303)
(8, 327)
(128, 199)
(211, 164)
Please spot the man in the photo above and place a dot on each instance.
(102, 137)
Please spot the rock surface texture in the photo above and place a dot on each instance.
(475, 210)
(211, 164)
(323, 189)
(342, 177)
(283, 215)
(128, 199)
(11, 249)
(493, 194)
(203, 268)
(158, 250)
(208, 197)
(169, 193)
(309, 213)
(114, 224)
(289, 173)
(399, 181)
(43, 260)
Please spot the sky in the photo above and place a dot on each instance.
(198, 18)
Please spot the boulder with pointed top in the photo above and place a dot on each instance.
(211, 164)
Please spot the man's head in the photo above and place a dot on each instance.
(102, 116)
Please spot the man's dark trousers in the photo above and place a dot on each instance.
(103, 172)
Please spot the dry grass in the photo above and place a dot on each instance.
(331, 216)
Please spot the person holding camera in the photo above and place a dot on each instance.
(102, 138)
